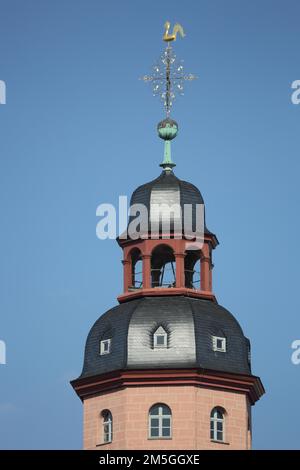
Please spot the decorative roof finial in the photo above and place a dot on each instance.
(167, 130)
(176, 29)
(168, 76)
(167, 81)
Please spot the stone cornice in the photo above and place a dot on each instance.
(246, 384)
(155, 291)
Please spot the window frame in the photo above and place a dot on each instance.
(160, 416)
(107, 420)
(164, 334)
(214, 420)
(215, 340)
(102, 350)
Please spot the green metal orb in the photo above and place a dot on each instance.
(167, 129)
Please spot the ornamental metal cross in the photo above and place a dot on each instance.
(168, 75)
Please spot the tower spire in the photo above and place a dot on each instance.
(167, 81)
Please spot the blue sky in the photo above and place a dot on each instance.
(78, 129)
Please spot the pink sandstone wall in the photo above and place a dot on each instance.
(191, 407)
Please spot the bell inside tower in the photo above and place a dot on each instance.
(192, 270)
(163, 267)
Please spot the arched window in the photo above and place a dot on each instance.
(163, 267)
(160, 421)
(217, 428)
(160, 338)
(192, 270)
(136, 269)
(107, 429)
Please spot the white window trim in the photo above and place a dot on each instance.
(216, 420)
(108, 422)
(160, 417)
(103, 351)
(160, 332)
(215, 340)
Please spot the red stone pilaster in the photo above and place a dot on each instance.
(205, 263)
(179, 258)
(126, 274)
(205, 268)
(146, 271)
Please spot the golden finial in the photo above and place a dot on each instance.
(176, 29)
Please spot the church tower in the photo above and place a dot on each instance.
(167, 368)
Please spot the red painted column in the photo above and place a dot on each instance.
(210, 276)
(179, 257)
(205, 274)
(146, 271)
(205, 268)
(126, 274)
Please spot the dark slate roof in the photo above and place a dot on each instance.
(190, 324)
(168, 189)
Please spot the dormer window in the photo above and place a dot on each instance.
(219, 343)
(160, 338)
(105, 346)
